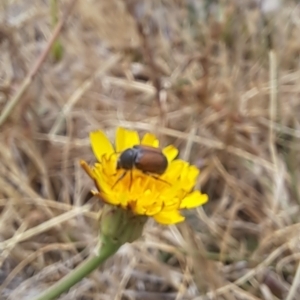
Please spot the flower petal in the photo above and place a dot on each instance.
(87, 169)
(150, 139)
(100, 144)
(168, 217)
(170, 152)
(193, 200)
(193, 173)
(126, 139)
(174, 170)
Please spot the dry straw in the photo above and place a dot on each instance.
(219, 80)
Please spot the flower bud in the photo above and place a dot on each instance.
(119, 226)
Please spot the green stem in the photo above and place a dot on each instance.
(84, 269)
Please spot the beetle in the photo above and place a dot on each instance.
(147, 159)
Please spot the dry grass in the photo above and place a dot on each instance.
(220, 82)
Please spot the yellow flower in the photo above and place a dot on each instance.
(158, 196)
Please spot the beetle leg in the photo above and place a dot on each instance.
(157, 178)
(130, 180)
(120, 178)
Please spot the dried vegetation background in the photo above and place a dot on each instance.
(220, 80)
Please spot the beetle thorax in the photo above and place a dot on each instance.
(127, 159)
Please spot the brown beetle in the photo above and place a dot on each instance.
(147, 159)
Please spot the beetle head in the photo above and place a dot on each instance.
(127, 159)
